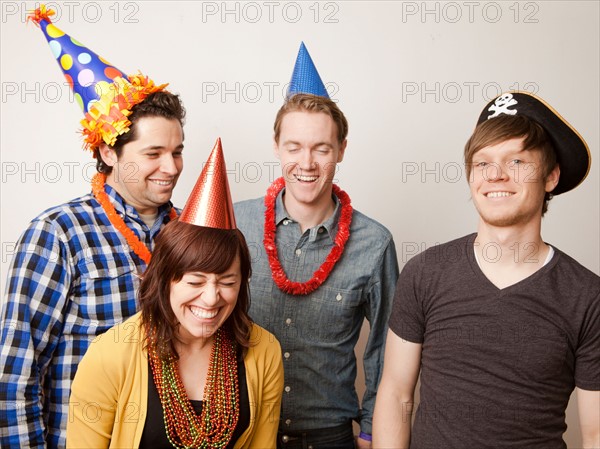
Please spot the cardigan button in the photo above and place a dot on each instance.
(285, 439)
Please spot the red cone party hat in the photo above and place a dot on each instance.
(210, 202)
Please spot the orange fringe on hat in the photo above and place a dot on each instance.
(107, 118)
(41, 13)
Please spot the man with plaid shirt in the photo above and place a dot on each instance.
(76, 268)
(74, 275)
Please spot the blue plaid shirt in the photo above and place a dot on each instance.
(318, 332)
(73, 277)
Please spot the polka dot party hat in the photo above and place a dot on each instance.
(104, 94)
(305, 78)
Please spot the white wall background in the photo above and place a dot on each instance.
(412, 78)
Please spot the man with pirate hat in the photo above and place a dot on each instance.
(501, 325)
(77, 265)
(320, 269)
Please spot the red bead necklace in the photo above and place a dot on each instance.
(220, 409)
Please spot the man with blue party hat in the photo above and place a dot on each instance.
(77, 265)
(500, 326)
(322, 267)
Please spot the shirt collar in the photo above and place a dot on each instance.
(330, 225)
(123, 208)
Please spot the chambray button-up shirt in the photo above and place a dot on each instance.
(318, 331)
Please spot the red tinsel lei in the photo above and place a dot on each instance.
(133, 241)
(322, 273)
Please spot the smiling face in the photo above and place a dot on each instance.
(308, 150)
(202, 302)
(507, 184)
(149, 166)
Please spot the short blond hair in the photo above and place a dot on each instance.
(313, 103)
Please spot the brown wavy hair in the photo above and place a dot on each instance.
(181, 248)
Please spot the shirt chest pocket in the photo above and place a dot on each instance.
(543, 353)
(330, 315)
(106, 289)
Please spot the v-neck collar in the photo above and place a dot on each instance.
(478, 272)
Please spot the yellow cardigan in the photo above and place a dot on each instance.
(109, 394)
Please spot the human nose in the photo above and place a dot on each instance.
(495, 172)
(168, 165)
(210, 296)
(306, 161)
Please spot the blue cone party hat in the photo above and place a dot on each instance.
(306, 79)
(104, 93)
(88, 74)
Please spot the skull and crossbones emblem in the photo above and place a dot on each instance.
(501, 105)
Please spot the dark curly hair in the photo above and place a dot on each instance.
(158, 104)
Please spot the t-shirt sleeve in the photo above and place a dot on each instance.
(407, 319)
(587, 355)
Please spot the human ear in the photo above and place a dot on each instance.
(552, 179)
(108, 155)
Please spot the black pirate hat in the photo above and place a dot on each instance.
(572, 152)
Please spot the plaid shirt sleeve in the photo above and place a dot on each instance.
(34, 305)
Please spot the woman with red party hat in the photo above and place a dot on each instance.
(191, 369)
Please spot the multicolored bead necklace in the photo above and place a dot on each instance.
(220, 409)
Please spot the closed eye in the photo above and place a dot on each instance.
(228, 284)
